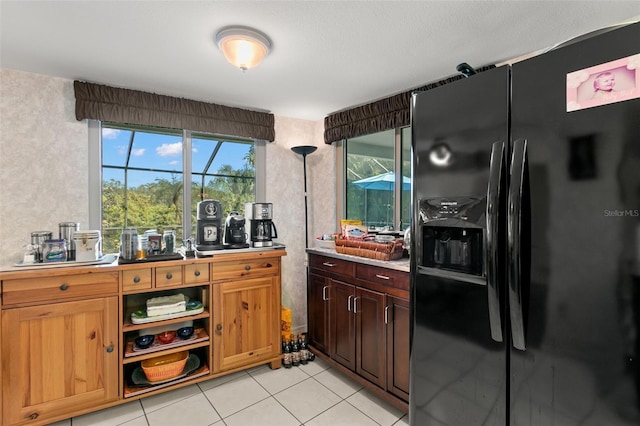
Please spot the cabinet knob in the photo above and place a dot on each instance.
(63, 287)
(110, 348)
(169, 276)
(219, 328)
(196, 273)
(136, 280)
(248, 267)
(33, 416)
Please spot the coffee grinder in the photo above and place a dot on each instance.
(234, 233)
(262, 230)
(209, 227)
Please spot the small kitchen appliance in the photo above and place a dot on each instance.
(209, 226)
(262, 230)
(235, 236)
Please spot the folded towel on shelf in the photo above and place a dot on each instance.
(166, 305)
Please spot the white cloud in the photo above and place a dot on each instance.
(169, 149)
(122, 150)
(173, 163)
(110, 133)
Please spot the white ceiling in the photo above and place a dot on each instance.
(327, 55)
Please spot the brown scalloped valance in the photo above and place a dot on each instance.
(384, 114)
(105, 103)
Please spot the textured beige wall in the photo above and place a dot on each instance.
(44, 175)
(43, 160)
(285, 189)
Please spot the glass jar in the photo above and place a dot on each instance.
(128, 243)
(169, 237)
(54, 251)
(143, 247)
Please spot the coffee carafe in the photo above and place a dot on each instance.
(262, 230)
(209, 226)
(234, 233)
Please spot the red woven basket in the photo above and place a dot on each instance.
(370, 249)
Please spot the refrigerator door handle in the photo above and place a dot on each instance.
(514, 230)
(496, 171)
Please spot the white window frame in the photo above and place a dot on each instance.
(95, 175)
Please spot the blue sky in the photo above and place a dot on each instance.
(162, 152)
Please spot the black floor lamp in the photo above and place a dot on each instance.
(304, 150)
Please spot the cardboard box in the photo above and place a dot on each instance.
(285, 322)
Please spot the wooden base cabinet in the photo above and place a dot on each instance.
(58, 358)
(67, 335)
(246, 312)
(318, 312)
(244, 317)
(397, 323)
(371, 335)
(359, 318)
(343, 330)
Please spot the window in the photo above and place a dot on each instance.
(144, 171)
(373, 192)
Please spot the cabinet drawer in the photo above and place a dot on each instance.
(30, 290)
(245, 269)
(336, 266)
(136, 279)
(169, 276)
(196, 274)
(383, 276)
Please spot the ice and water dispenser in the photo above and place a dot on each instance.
(452, 234)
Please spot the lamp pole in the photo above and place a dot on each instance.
(304, 150)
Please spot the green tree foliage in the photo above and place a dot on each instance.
(158, 205)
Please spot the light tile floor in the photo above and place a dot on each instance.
(312, 394)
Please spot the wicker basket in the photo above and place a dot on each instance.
(370, 249)
(165, 367)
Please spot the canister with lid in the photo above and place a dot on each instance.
(65, 231)
(54, 251)
(37, 242)
(88, 245)
(128, 243)
(169, 237)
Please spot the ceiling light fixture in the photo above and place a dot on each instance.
(243, 47)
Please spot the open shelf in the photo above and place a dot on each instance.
(131, 389)
(127, 325)
(132, 353)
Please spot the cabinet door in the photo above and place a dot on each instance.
(59, 358)
(343, 333)
(368, 308)
(318, 311)
(246, 322)
(398, 347)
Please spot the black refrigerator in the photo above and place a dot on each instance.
(525, 275)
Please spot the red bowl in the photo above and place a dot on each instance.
(166, 336)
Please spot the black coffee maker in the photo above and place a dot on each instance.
(235, 236)
(209, 232)
(262, 230)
